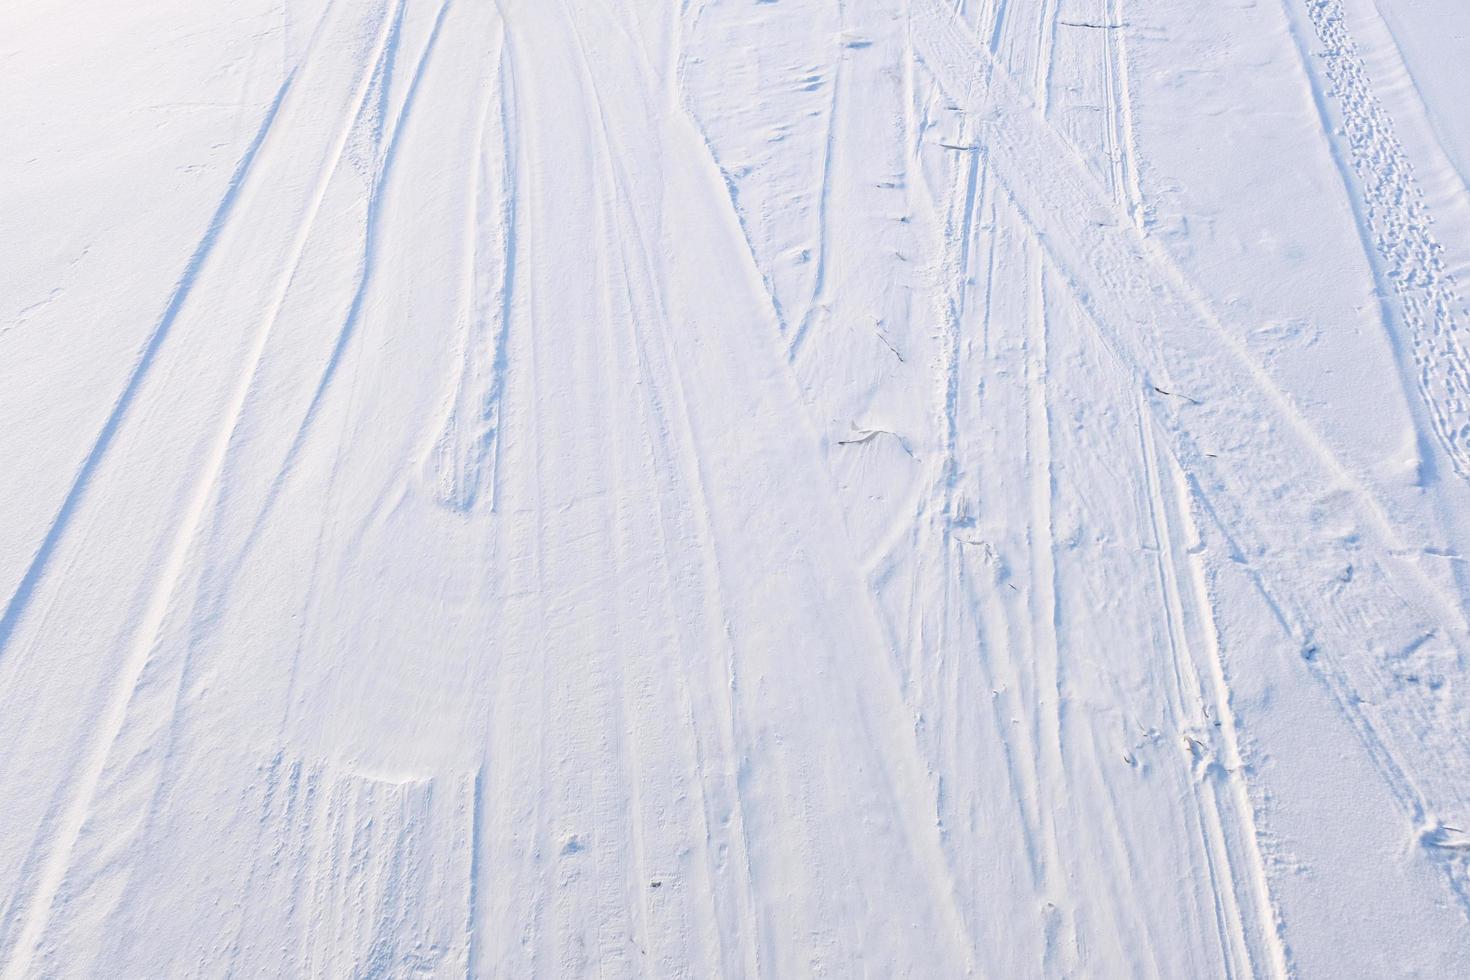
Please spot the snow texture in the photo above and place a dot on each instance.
(745, 488)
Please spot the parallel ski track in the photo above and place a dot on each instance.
(53, 870)
(1122, 279)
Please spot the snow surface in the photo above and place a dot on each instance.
(733, 488)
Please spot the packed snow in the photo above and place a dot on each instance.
(735, 488)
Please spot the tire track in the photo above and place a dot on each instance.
(1395, 224)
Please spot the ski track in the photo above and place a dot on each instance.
(734, 490)
(1420, 777)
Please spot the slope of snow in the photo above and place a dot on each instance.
(732, 488)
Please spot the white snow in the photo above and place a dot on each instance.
(735, 488)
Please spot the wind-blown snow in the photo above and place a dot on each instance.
(733, 488)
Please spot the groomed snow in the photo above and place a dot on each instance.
(745, 488)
